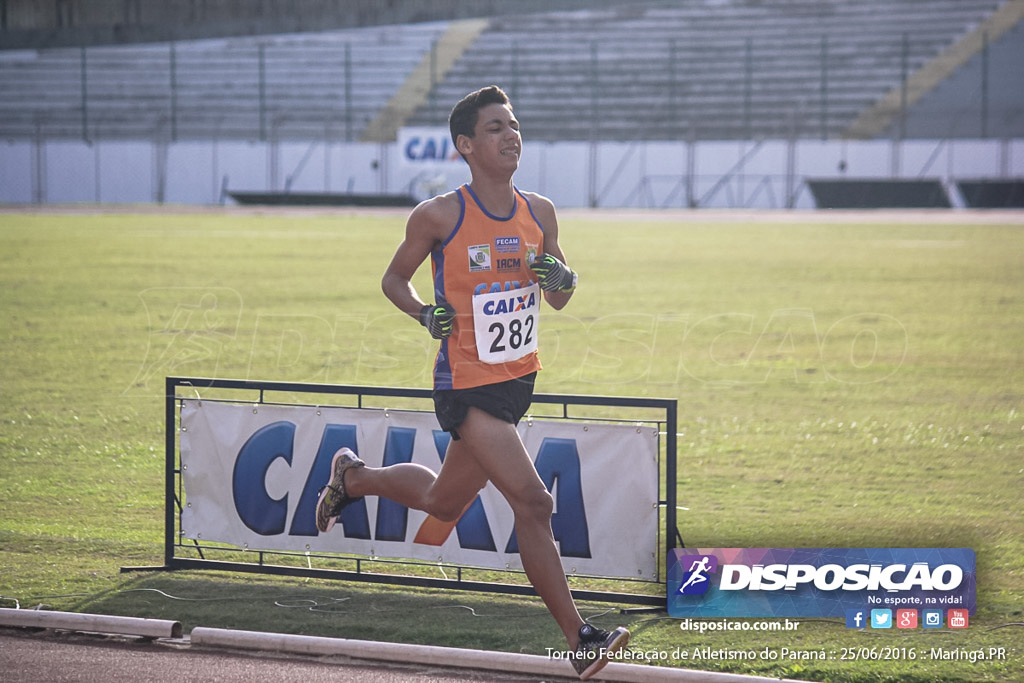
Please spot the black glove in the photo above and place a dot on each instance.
(438, 319)
(554, 275)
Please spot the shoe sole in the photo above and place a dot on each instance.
(323, 494)
(621, 640)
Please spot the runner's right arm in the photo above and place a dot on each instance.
(428, 225)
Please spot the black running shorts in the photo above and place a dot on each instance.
(507, 401)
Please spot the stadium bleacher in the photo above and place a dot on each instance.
(292, 86)
(699, 70)
(713, 70)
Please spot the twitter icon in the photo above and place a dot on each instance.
(881, 618)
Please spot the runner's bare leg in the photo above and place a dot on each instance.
(490, 449)
(501, 455)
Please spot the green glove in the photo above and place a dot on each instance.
(554, 275)
(438, 319)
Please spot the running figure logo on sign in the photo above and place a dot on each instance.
(695, 580)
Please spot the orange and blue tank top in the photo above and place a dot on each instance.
(487, 257)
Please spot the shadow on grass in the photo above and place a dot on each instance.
(342, 610)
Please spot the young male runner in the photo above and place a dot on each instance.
(493, 250)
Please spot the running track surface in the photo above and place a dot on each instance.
(55, 657)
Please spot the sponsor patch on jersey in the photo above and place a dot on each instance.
(509, 264)
(506, 245)
(531, 253)
(479, 258)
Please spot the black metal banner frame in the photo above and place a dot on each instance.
(173, 490)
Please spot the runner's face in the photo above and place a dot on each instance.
(497, 136)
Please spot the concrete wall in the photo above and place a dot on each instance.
(731, 174)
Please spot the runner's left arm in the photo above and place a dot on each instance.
(544, 209)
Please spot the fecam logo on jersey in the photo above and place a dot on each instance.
(506, 245)
(817, 582)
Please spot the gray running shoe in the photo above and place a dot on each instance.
(333, 497)
(595, 647)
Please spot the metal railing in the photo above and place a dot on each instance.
(196, 554)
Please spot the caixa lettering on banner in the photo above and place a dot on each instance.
(252, 474)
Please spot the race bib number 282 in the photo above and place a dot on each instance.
(505, 324)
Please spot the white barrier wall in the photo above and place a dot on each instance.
(727, 174)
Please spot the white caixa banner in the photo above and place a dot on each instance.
(252, 474)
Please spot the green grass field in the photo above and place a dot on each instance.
(841, 382)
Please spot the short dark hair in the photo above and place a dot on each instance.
(466, 112)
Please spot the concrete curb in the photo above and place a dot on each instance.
(449, 657)
(403, 653)
(90, 623)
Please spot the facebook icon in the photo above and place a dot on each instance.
(855, 618)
